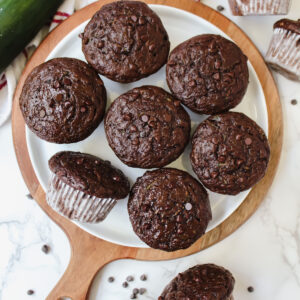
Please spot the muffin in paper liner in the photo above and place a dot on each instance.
(77, 205)
(284, 51)
(259, 7)
(83, 187)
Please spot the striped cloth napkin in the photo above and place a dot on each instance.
(9, 78)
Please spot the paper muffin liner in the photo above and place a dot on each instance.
(259, 7)
(283, 54)
(75, 204)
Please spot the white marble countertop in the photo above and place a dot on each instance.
(264, 253)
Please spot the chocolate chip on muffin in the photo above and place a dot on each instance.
(147, 128)
(125, 41)
(208, 73)
(84, 187)
(158, 213)
(230, 153)
(209, 282)
(63, 100)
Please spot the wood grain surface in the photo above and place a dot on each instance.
(89, 253)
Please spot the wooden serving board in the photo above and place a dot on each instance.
(89, 253)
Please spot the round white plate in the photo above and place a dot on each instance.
(116, 228)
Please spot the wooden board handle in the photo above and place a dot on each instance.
(89, 255)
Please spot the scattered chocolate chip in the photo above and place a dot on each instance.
(82, 109)
(151, 47)
(220, 8)
(294, 101)
(188, 206)
(30, 292)
(67, 81)
(238, 137)
(142, 20)
(125, 284)
(248, 141)
(42, 113)
(177, 103)
(111, 279)
(192, 83)
(135, 291)
(143, 277)
(142, 291)
(59, 97)
(129, 278)
(250, 289)
(145, 118)
(132, 296)
(80, 35)
(79, 161)
(28, 196)
(100, 44)
(216, 76)
(46, 249)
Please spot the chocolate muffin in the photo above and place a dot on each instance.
(83, 187)
(209, 282)
(208, 73)
(168, 209)
(147, 128)
(63, 100)
(230, 153)
(283, 54)
(125, 41)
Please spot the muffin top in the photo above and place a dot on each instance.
(209, 282)
(147, 128)
(63, 100)
(290, 25)
(168, 209)
(89, 174)
(125, 41)
(208, 73)
(230, 153)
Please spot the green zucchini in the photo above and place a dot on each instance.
(20, 21)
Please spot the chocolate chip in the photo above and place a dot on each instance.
(238, 137)
(167, 117)
(28, 196)
(134, 18)
(135, 291)
(30, 292)
(111, 279)
(132, 296)
(248, 141)
(46, 249)
(188, 206)
(42, 113)
(59, 97)
(80, 35)
(216, 76)
(220, 8)
(142, 291)
(129, 278)
(127, 117)
(250, 289)
(67, 81)
(79, 161)
(82, 109)
(145, 118)
(143, 277)
(294, 101)
(85, 40)
(100, 44)
(125, 284)
(177, 103)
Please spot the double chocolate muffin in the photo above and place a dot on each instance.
(208, 73)
(209, 282)
(125, 41)
(230, 153)
(84, 187)
(168, 209)
(147, 128)
(63, 100)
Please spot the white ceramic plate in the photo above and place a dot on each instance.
(116, 228)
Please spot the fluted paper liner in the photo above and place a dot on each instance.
(284, 53)
(75, 204)
(259, 7)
